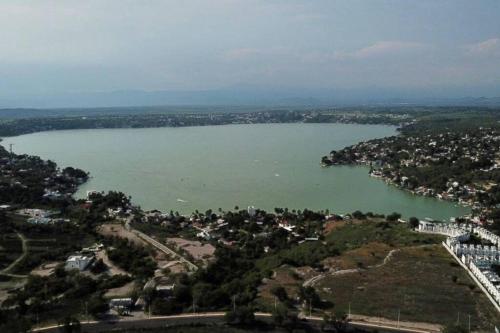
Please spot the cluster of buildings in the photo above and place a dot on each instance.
(481, 261)
(223, 229)
(40, 216)
(19, 174)
(476, 152)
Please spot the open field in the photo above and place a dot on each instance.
(368, 255)
(418, 281)
(380, 269)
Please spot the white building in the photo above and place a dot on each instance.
(251, 211)
(121, 305)
(80, 262)
(477, 258)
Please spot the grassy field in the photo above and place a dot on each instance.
(423, 282)
(419, 278)
(349, 236)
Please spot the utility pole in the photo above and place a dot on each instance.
(458, 319)
(10, 156)
(349, 313)
(234, 303)
(469, 323)
(87, 312)
(399, 314)
(275, 305)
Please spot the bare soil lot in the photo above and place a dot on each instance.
(118, 230)
(196, 249)
(46, 269)
(123, 291)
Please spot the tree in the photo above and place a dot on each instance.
(454, 328)
(358, 215)
(280, 293)
(309, 295)
(335, 321)
(413, 222)
(242, 315)
(161, 306)
(148, 294)
(279, 315)
(98, 267)
(97, 305)
(393, 217)
(284, 318)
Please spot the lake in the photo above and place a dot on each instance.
(264, 165)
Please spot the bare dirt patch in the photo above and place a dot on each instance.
(196, 249)
(284, 276)
(334, 225)
(166, 262)
(123, 291)
(118, 230)
(46, 269)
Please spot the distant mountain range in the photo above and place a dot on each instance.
(242, 97)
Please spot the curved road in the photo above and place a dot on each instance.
(7, 269)
(208, 317)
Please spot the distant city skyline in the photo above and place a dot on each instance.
(93, 53)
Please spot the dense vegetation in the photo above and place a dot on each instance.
(133, 259)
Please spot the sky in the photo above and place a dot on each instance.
(399, 47)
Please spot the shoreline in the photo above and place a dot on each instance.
(298, 205)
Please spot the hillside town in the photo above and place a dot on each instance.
(29, 179)
(460, 166)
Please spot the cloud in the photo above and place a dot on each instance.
(488, 47)
(264, 53)
(242, 53)
(381, 49)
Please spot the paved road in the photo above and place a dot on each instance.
(163, 248)
(203, 318)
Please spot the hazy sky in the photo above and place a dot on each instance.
(80, 46)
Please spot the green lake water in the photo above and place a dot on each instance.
(264, 165)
